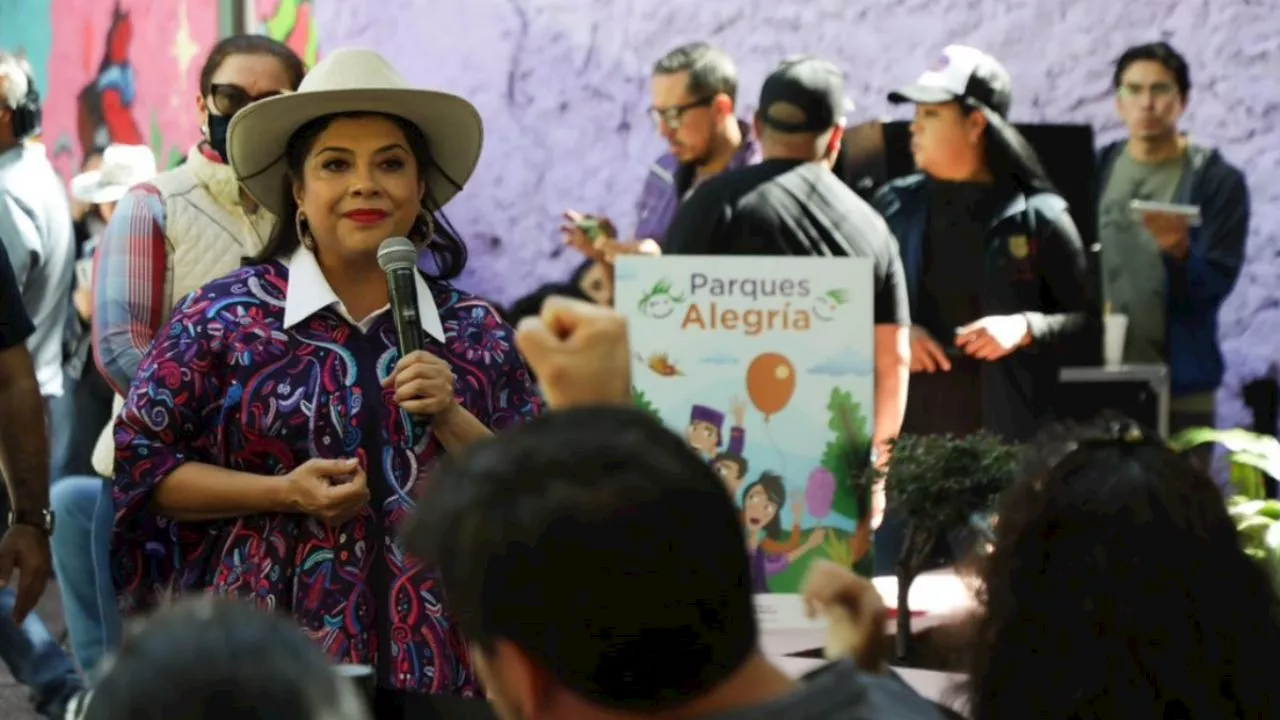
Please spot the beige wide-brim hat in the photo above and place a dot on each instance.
(353, 81)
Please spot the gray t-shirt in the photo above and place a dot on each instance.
(36, 232)
(840, 692)
(1133, 271)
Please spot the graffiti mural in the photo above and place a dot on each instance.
(108, 85)
(104, 108)
(26, 29)
(292, 22)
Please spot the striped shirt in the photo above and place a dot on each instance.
(129, 293)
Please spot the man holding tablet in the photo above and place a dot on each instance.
(1173, 217)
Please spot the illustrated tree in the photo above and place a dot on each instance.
(642, 402)
(847, 456)
(939, 483)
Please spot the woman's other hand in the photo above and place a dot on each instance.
(332, 491)
(423, 383)
(855, 613)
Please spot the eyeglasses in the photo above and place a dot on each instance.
(229, 99)
(672, 117)
(1131, 91)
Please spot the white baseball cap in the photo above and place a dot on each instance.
(963, 74)
(123, 166)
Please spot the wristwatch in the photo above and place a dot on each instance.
(39, 519)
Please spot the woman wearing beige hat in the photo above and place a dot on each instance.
(275, 439)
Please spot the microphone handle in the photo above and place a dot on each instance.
(404, 309)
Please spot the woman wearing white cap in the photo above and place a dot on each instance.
(274, 438)
(996, 270)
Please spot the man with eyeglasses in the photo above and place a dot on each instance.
(694, 91)
(1167, 271)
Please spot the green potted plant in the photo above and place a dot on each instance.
(1252, 457)
(939, 483)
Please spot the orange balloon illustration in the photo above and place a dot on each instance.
(771, 381)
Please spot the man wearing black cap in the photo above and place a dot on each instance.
(996, 271)
(792, 204)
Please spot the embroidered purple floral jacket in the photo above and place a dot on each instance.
(226, 384)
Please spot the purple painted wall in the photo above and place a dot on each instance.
(562, 85)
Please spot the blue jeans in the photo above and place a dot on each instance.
(35, 660)
(81, 558)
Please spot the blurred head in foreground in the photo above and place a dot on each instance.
(596, 564)
(1117, 587)
(217, 659)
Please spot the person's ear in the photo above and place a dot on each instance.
(977, 126)
(722, 105)
(202, 109)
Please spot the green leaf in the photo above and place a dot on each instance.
(642, 402)
(1261, 451)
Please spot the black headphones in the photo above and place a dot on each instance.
(27, 116)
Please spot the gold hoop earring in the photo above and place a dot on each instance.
(429, 224)
(304, 237)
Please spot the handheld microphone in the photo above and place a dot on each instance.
(398, 258)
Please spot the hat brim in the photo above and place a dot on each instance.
(87, 187)
(258, 135)
(923, 94)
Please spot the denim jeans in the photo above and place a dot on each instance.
(81, 559)
(35, 660)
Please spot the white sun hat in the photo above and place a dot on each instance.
(353, 81)
(123, 166)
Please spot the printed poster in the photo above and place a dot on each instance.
(765, 366)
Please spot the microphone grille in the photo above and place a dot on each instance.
(397, 253)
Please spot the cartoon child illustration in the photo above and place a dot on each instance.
(659, 302)
(824, 306)
(706, 425)
(764, 500)
(732, 469)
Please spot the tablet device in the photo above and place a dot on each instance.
(1138, 208)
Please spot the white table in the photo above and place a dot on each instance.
(941, 594)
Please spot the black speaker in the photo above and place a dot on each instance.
(27, 116)
(874, 153)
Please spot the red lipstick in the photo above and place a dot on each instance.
(366, 216)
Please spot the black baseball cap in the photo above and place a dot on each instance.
(963, 74)
(804, 95)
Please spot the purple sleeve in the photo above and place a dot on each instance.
(737, 440)
(658, 202)
(510, 395)
(169, 418)
(774, 564)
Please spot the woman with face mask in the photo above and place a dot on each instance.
(166, 238)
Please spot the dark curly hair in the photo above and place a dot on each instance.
(1117, 588)
(442, 241)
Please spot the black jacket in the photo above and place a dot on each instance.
(1035, 265)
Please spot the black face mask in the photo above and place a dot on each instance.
(218, 125)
